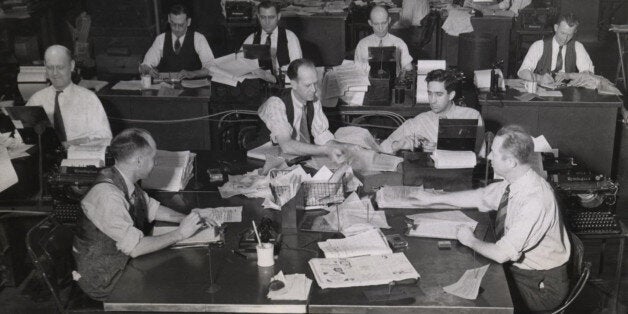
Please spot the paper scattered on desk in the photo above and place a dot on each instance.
(468, 286)
(172, 171)
(370, 242)
(353, 211)
(440, 225)
(250, 184)
(202, 236)
(347, 81)
(15, 146)
(403, 197)
(221, 215)
(449, 159)
(296, 287)
(356, 136)
(8, 177)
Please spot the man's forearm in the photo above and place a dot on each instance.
(489, 250)
(302, 149)
(166, 214)
(526, 75)
(471, 198)
(156, 243)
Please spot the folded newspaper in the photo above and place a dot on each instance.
(172, 171)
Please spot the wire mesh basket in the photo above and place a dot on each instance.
(314, 193)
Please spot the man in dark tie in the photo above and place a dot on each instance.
(284, 44)
(75, 112)
(296, 120)
(532, 241)
(556, 59)
(179, 50)
(118, 216)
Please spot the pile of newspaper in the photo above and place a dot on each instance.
(347, 81)
(233, 69)
(172, 171)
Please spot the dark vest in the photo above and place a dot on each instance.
(283, 57)
(545, 63)
(97, 259)
(286, 98)
(187, 59)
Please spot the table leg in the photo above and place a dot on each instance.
(602, 249)
(620, 257)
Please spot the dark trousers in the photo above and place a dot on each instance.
(537, 290)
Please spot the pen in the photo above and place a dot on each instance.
(238, 253)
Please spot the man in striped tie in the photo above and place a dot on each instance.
(532, 241)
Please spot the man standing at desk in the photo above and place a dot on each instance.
(178, 50)
(74, 111)
(296, 120)
(284, 44)
(441, 90)
(558, 58)
(531, 237)
(118, 217)
(379, 21)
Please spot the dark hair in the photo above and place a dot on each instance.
(517, 141)
(293, 68)
(449, 78)
(128, 142)
(569, 18)
(179, 9)
(267, 5)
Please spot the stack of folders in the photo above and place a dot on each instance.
(449, 159)
(85, 155)
(172, 171)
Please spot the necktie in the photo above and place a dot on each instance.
(269, 64)
(303, 129)
(267, 43)
(177, 46)
(58, 119)
(381, 42)
(500, 219)
(559, 60)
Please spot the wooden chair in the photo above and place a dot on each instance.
(579, 272)
(49, 245)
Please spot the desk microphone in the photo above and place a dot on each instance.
(488, 138)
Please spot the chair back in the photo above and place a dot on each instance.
(49, 245)
(579, 272)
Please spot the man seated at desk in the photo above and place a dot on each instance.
(379, 21)
(284, 44)
(531, 238)
(177, 50)
(74, 111)
(558, 58)
(423, 129)
(296, 121)
(118, 217)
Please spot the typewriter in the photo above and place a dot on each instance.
(67, 187)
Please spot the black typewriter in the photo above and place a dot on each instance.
(67, 187)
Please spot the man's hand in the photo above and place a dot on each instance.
(423, 198)
(265, 75)
(185, 74)
(336, 154)
(545, 79)
(465, 235)
(204, 214)
(146, 69)
(562, 76)
(189, 225)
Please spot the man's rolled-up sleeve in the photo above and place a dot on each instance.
(525, 232)
(320, 126)
(273, 113)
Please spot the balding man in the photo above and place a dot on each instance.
(532, 241)
(379, 21)
(118, 216)
(75, 112)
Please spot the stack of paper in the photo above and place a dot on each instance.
(424, 67)
(362, 270)
(357, 136)
(85, 155)
(352, 212)
(346, 80)
(296, 287)
(371, 242)
(172, 171)
(250, 184)
(267, 150)
(442, 225)
(449, 159)
(221, 215)
(403, 197)
(202, 236)
(232, 69)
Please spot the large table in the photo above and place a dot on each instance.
(581, 124)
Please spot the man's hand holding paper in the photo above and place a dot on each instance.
(465, 235)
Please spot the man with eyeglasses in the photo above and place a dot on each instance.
(379, 21)
(177, 50)
(75, 112)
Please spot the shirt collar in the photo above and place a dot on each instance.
(522, 182)
(297, 103)
(130, 186)
(66, 89)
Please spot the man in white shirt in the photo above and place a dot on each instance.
(118, 217)
(178, 51)
(379, 21)
(531, 238)
(75, 112)
(284, 44)
(296, 121)
(556, 59)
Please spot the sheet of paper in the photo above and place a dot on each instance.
(548, 93)
(371, 242)
(206, 235)
(357, 136)
(8, 177)
(87, 152)
(172, 171)
(441, 225)
(268, 149)
(402, 197)
(195, 83)
(353, 211)
(425, 66)
(231, 65)
(221, 215)
(250, 184)
(296, 287)
(322, 175)
(468, 286)
(447, 159)
(541, 144)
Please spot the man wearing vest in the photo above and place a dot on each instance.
(118, 217)
(555, 59)
(296, 120)
(178, 50)
(532, 241)
(284, 44)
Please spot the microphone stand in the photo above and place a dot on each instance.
(40, 128)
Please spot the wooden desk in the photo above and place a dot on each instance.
(151, 113)
(581, 124)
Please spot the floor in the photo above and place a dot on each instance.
(32, 298)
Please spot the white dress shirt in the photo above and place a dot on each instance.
(273, 113)
(514, 5)
(82, 112)
(534, 234)
(583, 61)
(425, 125)
(107, 208)
(294, 47)
(155, 52)
(362, 49)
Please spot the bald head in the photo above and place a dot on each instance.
(379, 21)
(59, 66)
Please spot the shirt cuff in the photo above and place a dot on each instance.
(386, 147)
(130, 240)
(153, 206)
(323, 138)
(507, 248)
